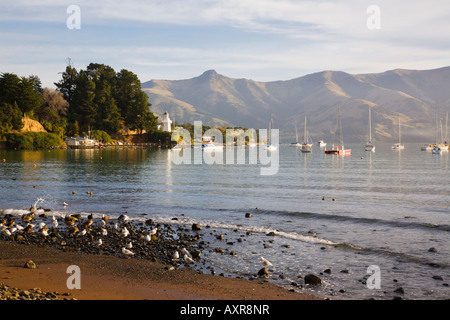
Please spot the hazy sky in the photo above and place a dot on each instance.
(263, 40)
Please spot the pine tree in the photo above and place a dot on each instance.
(82, 108)
(28, 98)
(108, 115)
(67, 84)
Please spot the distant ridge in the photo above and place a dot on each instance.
(413, 95)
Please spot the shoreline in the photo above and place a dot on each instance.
(107, 274)
(113, 278)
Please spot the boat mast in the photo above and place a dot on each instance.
(446, 129)
(341, 139)
(304, 133)
(269, 135)
(370, 126)
(436, 129)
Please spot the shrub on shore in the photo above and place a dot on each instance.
(32, 140)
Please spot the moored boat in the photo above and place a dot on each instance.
(430, 147)
(296, 143)
(306, 146)
(340, 149)
(436, 150)
(321, 143)
(211, 146)
(270, 146)
(369, 145)
(81, 143)
(399, 145)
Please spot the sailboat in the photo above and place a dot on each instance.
(442, 145)
(436, 150)
(296, 143)
(306, 144)
(369, 145)
(340, 149)
(399, 145)
(270, 146)
(446, 143)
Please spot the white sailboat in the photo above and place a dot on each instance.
(439, 138)
(399, 145)
(211, 146)
(369, 145)
(296, 143)
(340, 149)
(446, 143)
(270, 146)
(306, 146)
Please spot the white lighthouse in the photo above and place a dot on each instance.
(166, 122)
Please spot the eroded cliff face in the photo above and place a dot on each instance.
(30, 125)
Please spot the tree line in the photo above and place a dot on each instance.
(97, 98)
(18, 96)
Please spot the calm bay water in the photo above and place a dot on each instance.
(386, 208)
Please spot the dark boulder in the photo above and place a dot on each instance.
(312, 279)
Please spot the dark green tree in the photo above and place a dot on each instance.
(37, 84)
(82, 108)
(101, 99)
(10, 117)
(100, 72)
(143, 118)
(28, 99)
(133, 102)
(9, 88)
(108, 115)
(19, 90)
(67, 84)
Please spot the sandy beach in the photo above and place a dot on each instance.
(105, 273)
(114, 278)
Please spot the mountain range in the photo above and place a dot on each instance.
(419, 99)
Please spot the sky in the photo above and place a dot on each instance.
(262, 40)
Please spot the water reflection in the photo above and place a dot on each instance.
(169, 169)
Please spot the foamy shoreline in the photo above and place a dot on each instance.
(157, 252)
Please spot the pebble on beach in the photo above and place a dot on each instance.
(263, 272)
(30, 265)
(8, 293)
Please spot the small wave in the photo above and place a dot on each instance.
(15, 212)
(361, 220)
(261, 230)
(304, 238)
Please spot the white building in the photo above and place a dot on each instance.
(166, 122)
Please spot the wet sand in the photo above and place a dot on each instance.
(114, 278)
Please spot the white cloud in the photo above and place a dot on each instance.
(345, 18)
(270, 39)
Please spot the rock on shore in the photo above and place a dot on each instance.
(8, 293)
